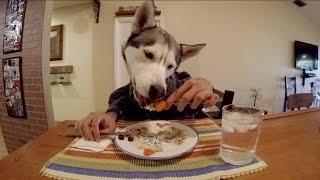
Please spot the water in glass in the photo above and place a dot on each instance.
(240, 132)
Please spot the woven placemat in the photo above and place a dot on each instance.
(202, 163)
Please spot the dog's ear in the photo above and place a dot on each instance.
(144, 17)
(188, 51)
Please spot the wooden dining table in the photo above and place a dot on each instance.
(289, 143)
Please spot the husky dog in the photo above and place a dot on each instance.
(152, 57)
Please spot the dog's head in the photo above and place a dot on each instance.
(152, 55)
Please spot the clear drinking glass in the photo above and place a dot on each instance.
(240, 130)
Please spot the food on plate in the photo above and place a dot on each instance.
(152, 142)
(141, 131)
(157, 106)
(121, 137)
(162, 125)
(148, 152)
(130, 138)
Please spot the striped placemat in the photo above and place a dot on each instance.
(202, 163)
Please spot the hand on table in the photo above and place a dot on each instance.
(96, 123)
(194, 92)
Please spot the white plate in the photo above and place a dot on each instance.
(170, 150)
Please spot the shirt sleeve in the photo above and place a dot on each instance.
(119, 101)
(182, 77)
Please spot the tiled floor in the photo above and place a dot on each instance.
(3, 149)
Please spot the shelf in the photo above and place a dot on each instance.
(61, 69)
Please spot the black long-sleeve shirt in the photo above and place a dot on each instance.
(123, 103)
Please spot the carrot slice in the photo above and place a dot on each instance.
(143, 128)
(148, 152)
(158, 124)
(160, 106)
(162, 125)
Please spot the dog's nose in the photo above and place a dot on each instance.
(156, 91)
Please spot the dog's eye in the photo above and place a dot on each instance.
(149, 55)
(170, 66)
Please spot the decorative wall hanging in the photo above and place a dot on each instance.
(131, 10)
(13, 87)
(56, 43)
(61, 75)
(13, 29)
(96, 9)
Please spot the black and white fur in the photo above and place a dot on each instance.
(152, 55)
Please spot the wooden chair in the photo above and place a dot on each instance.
(290, 85)
(226, 98)
(315, 87)
(300, 100)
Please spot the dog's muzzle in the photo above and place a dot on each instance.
(156, 93)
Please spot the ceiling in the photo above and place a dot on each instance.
(63, 3)
(311, 10)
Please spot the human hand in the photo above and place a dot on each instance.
(95, 123)
(194, 92)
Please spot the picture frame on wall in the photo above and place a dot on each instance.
(13, 87)
(56, 43)
(13, 28)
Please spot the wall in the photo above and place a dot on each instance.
(17, 132)
(249, 44)
(77, 52)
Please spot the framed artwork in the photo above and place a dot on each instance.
(13, 29)
(56, 42)
(13, 87)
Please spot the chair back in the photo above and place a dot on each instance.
(301, 100)
(315, 90)
(290, 87)
(227, 99)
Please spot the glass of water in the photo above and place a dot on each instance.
(240, 130)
